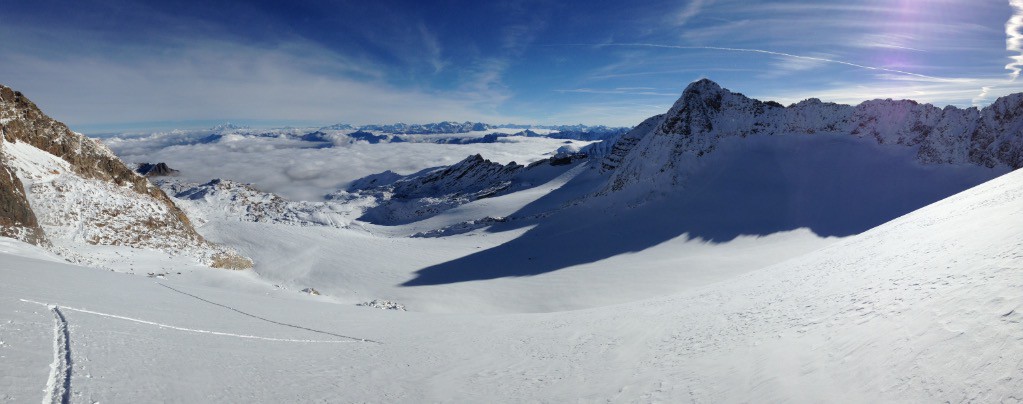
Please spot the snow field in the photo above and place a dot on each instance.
(924, 308)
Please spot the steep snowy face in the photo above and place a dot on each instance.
(691, 128)
(999, 135)
(612, 152)
(81, 193)
(662, 157)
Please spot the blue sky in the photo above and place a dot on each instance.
(102, 65)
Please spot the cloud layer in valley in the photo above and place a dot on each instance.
(301, 170)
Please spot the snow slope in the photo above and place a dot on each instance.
(752, 203)
(926, 307)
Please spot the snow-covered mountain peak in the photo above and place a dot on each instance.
(703, 86)
(662, 152)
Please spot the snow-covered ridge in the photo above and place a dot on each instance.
(663, 148)
(430, 128)
(234, 201)
(579, 132)
(404, 199)
(82, 194)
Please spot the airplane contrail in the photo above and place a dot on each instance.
(767, 52)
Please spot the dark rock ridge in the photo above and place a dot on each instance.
(474, 175)
(22, 121)
(590, 134)
(155, 170)
(657, 149)
(369, 137)
(575, 132)
(404, 199)
(488, 138)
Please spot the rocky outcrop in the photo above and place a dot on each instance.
(79, 191)
(155, 170)
(660, 150)
(474, 175)
(417, 196)
(16, 217)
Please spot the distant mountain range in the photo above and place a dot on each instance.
(720, 163)
(838, 169)
(339, 134)
(447, 127)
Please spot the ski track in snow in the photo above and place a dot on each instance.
(226, 334)
(269, 320)
(58, 386)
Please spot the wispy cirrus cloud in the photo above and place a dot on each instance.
(223, 80)
(1014, 39)
(692, 9)
(433, 48)
(620, 90)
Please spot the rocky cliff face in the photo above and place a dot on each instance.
(66, 188)
(660, 151)
(405, 199)
(473, 175)
(16, 217)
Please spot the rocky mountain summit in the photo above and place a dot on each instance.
(800, 165)
(659, 151)
(61, 189)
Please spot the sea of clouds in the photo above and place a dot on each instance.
(279, 162)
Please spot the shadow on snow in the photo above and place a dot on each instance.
(832, 185)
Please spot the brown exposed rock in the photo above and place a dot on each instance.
(88, 158)
(16, 217)
(22, 121)
(228, 261)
